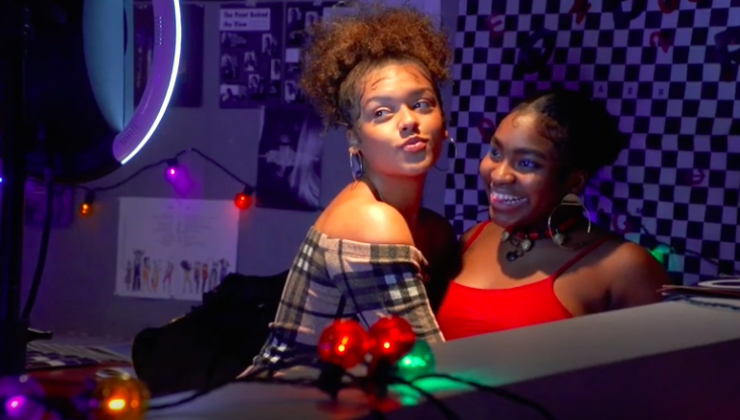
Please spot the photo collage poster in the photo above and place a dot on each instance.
(251, 64)
(300, 17)
(174, 248)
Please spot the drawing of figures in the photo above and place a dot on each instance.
(167, 280)
(145, 274)
(155, 275)
(186, 283)
(213, 276)
(129, 272)
(196, 275)
(137, 269)
(204, 276)
(224, 270)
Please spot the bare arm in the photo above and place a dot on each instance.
(636, 277)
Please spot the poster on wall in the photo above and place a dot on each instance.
(251, 65)
(300, 17)
(289, 165)
(188, 90)
(174, 248)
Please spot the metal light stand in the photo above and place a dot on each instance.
(15, 27)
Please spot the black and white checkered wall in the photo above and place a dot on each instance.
(667, 68)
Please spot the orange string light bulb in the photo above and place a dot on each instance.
(119, 398)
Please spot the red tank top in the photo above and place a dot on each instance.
(467, 311)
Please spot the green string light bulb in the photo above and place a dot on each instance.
(419, 361)
(660, 252)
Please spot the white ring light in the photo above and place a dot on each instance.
(161, 83)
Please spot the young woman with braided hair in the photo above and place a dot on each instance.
(538, 259)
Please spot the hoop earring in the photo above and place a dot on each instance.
(356, 175)
(454, 145)
(559, 237)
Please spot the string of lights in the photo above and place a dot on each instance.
(389, 350)
(242, 199)
(396, 357)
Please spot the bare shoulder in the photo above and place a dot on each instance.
(632, 273)
(366, 221)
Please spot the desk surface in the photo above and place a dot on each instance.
(597, 366)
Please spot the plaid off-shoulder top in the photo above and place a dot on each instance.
(337, 278)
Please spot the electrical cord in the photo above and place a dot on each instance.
(160, 163)
(500, 392)
(363, 383)
(43, 247)
(443, 408)
(251, 376)
(218, 165)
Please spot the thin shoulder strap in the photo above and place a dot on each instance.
(593, 245)
(475, 235)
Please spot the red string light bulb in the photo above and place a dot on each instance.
(343, 343)
(243, 200)
(391, 338)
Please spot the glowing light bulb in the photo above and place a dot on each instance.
(119, 398)
(418, 361)
(172, 170)
(21, 398)
(243, 201)
(343, 343)
(391, 338)
(84, 209)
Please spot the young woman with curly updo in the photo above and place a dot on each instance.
(376, 76)
(538, 259)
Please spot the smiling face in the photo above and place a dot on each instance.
(399, 127)
(521, 173)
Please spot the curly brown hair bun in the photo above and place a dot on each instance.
(345, 48)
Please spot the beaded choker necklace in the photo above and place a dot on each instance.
(523, 241)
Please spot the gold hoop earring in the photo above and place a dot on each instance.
(559, 237)
(356, 175)
(454, 145)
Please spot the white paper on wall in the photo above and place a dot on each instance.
(173, 248)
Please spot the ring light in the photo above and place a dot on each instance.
(158, 91)
(79, 96)
(66, 122)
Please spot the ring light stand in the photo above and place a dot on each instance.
(15, 30)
